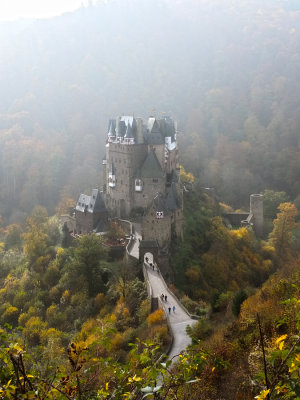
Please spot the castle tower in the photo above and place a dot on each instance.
(256, 209)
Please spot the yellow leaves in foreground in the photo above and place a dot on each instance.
(134, 379)
(263, 394)
(280, 341)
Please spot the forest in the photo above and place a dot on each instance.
(76, 324)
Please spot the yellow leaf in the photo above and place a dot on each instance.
(263, 394)
(281, 338)
(281, 344)
(136, 378)
(297, 357)
(106, 385)
(213, 368)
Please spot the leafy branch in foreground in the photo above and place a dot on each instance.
(284, 362)
(147, 374)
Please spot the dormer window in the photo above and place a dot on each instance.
(138, 185)
(111, 180)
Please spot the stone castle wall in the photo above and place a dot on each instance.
(84, 222)
(154, 228)
(151, 187)
(125, 158)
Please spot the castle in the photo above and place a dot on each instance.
(140, 177)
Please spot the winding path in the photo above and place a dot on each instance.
(178, 319)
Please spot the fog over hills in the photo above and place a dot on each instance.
(227, 71)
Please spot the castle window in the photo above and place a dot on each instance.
(154, 180)
(138, 185)
(111, 180)
(159, 214)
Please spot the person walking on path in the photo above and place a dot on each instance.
(162, 297)
(169, 310)
(166, 297)
(174, 308)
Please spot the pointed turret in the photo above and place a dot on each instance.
(129, 136)
(111, 130)
(154, 135)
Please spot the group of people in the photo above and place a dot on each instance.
(151, 265)
(164, 297)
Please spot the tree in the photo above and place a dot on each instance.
(282, 233)
(186, 177)
(115, 231)
(238, 299)
(13, 237)
(272, 200)
(36, 238)
(65, 206)
(88, 256)
(35, 244)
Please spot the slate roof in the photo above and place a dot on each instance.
(151, 167)
(92, 204)
(122, 128)
(167, 127)
(159, 203)
(112, 127)
(172, 177)
(154, 135)
(128, 119)
(148, 243)
(101, 226)
(171, 202)
(129, 132)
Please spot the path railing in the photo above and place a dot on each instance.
(167, 289)
(159, 302)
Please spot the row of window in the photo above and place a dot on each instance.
(121, 140)
(138, 182)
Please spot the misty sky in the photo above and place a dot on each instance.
(14, 9)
